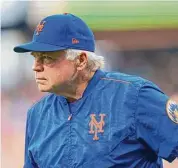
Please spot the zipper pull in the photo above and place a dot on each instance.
(70, 117)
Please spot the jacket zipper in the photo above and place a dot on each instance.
(70, 140)
(70, 117)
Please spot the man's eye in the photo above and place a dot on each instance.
(48, 60)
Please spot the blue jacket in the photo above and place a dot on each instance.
(121, 121)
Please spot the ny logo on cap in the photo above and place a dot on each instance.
(40, 27)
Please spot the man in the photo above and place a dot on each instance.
(92, 118)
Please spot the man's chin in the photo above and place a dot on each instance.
(44, 89)
(52, 89)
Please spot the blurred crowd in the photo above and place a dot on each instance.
(18, 88)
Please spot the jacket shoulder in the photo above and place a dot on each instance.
(39, 107)
(118, 77)
(45, 99)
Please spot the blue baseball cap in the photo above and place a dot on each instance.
(60, 32)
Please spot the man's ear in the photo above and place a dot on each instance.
(81, 61)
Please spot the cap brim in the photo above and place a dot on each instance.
(35, 46)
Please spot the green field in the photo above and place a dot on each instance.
(125, 15)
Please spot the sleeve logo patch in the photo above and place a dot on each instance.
(172, 110)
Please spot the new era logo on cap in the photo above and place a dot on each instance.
(74, 41)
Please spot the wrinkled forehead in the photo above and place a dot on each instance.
(52, 54)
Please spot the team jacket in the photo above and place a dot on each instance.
(121, 121)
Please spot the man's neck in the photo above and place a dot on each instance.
(79, 88)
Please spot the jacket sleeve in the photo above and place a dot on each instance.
(157, 121)
(28, 159)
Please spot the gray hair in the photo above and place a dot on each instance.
(94, 61)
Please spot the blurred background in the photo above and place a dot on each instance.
(138, 38)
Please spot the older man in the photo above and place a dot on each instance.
(92, 118)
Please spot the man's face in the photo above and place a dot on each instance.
(52, 70)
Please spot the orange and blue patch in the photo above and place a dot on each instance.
(172, 110)
(40, 27)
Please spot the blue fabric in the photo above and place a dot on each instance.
(137, 130)
(59, 32)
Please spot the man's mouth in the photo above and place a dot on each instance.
(40, 79)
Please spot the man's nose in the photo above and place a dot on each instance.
(37, 66)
